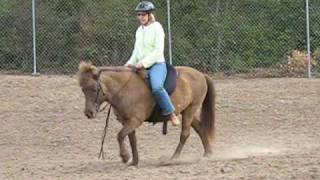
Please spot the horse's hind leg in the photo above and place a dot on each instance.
(187, 117)
(205, 141)
(128, 127)
(133, 144)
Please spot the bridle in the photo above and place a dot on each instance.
(99, 88)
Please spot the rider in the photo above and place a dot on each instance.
(148, 54)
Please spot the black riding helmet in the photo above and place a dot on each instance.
(145, 6)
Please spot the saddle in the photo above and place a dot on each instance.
(170, 85)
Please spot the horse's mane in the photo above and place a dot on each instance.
(85, 67)
(116, 69)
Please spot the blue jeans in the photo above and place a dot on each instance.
(157, 75)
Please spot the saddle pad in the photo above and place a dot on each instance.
(170, 83)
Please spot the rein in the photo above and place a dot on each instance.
(101, 153)
(99, 88)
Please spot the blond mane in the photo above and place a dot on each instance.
(85, 67)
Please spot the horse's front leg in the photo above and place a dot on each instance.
(128, 127)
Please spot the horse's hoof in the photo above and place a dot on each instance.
(174, 157)
(134, 163)
(207, 155)
(125, 157)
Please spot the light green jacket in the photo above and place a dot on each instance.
(149, 45)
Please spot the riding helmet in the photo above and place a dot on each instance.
(145, 6)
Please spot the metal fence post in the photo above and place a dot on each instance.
(308, 38)
(169, 31)
(34, 37)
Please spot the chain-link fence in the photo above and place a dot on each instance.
(315, 36)
(15, 35)
(227, 36)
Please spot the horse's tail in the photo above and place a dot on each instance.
(208, 110)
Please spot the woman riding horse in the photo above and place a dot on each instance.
(148, 54)
(132, 100)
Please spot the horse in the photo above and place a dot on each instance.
(131, 98)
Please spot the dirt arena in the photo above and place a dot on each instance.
(266, 129)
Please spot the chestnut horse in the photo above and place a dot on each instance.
(133, 103)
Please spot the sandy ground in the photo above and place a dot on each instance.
(266, 129)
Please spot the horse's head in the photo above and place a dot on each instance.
(88, 81)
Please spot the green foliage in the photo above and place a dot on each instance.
(211, 35)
